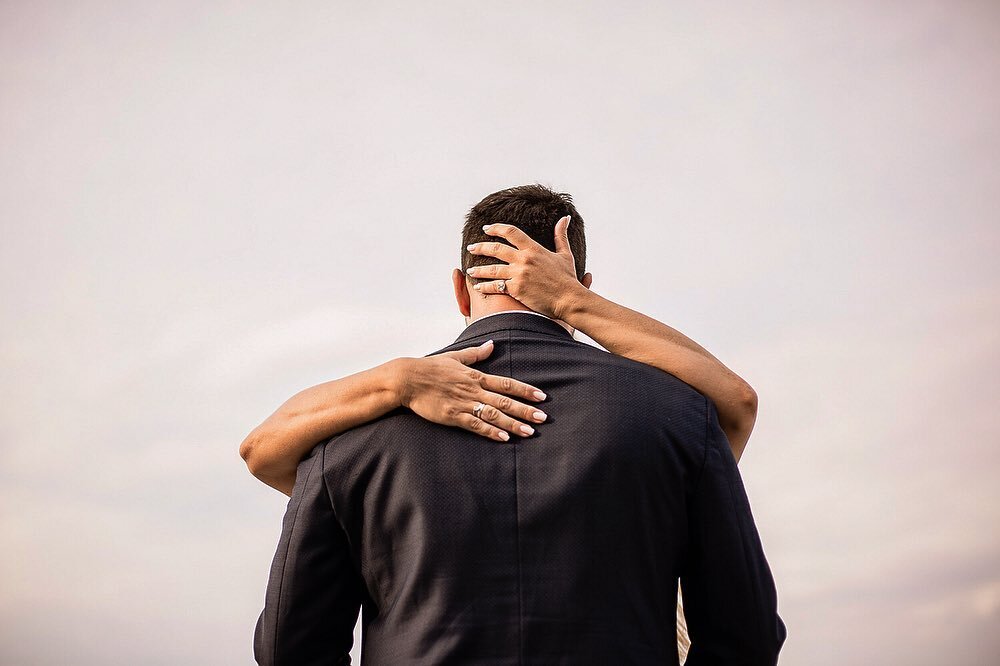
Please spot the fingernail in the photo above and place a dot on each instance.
(477, 286)
(539, 416)
(504, 436)
(470, 270)
(470, 246)
(527, 429)
(539, 395)
(486, 227)
(488, 342)
(569, 218)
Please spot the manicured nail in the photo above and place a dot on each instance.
(470, 270)
(488, 342)
(486, 227)
(539, 416)
(477, 286)
(539, 395)
(470, 246)
(504, 436)
(527, 429)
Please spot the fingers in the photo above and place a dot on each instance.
(493, 415)
(495, 249)
(510, 386)
(480, 427)
(493, 287)
(511, 408)
(562, 236)
(471, 355)
(498, 271)
(514, 236)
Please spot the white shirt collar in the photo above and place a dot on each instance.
(508, 311)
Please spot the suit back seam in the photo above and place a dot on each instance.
(517, 521)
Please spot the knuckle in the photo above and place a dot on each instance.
(491, 413)
(505, 403)
(506, 384)
(474, 375)
(496, 246)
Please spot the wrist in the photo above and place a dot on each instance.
(396, 380)
(571, 303)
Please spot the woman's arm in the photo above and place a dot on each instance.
(631, 334)
(547, 282)
(273, 449)
(439, 388)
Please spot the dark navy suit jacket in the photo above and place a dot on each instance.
(561, 548)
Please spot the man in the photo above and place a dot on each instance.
(564, 547)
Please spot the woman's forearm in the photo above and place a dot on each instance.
(631, 334)
(273, 449)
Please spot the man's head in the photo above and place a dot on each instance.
(534, 209)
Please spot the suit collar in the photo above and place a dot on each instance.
(512, 319)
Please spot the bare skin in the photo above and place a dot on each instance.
(443, 388)
(546, 282)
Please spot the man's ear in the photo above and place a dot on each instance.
(587, 279)
(461, 285)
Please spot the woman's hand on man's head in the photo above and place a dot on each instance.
(542, 280)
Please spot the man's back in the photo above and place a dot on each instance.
(564, 547)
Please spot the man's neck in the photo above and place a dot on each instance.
(479, 314)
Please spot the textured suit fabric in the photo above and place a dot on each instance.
(561, 548)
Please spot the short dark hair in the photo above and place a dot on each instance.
(534, 209)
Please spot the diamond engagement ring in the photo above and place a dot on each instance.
(478, 409)
(502, 287)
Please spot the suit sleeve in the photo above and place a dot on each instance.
(730, 600)
(314, 593)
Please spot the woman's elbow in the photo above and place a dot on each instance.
(259, 453)
(749, 404)
(745, 415)
(250, 452)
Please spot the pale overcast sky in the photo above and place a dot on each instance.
(209, 206)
